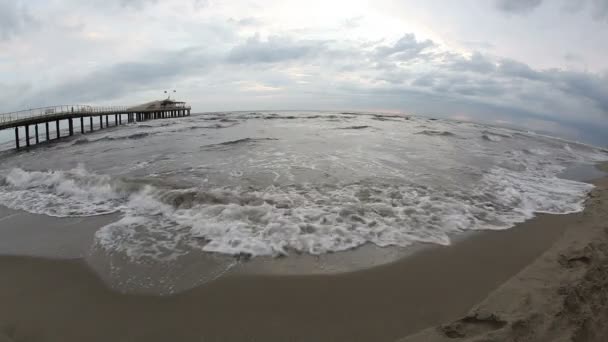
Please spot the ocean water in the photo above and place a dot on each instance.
(277, 183)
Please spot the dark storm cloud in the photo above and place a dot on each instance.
(405, 48)
(517, 6)
(14, 18)
(274, 49)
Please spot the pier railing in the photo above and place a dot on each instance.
(67, 109)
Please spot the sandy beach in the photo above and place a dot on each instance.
(540, 278)
(303, 171)
(561, 296)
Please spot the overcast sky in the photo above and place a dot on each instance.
(533, 63)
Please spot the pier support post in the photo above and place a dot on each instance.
(82, 125)
(46, 126)
(27, 135)
(17, 137)
(100, 121)
(107, 121)
(71, 126)
(91, 123)
(120, 119)
(57, 128)
(115, 119)
(36, 131)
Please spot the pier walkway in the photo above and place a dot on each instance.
(33, 118)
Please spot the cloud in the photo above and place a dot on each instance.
(517, 6)
(125, 78)
(600, 9)
(14, 18)
(355, 58)
(512, 68)
(273, 50)
(476, 63)
(591, 87)
(405, 48)
(137, 4)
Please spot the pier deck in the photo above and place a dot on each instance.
(57, 114)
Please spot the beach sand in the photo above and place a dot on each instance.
(541, 280)
(561, 296)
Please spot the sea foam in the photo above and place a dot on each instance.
(315, 219)
(303, 190)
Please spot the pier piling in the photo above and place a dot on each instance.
(150, 111)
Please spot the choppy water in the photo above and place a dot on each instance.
(306, 182)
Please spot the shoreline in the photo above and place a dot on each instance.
(64, 300)
(47, 298)
(562, 295)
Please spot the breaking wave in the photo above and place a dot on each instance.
(164, 223)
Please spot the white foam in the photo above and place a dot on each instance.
(317, 220)
(73, 192)
(387, 207)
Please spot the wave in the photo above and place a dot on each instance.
(164, 222)
(238, 142)
(60, 193)
(491, 137)
(355, 127)
(495, 133)
(436, 133)
(133, 136)
(385, 118)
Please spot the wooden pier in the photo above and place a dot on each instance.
(96, 116)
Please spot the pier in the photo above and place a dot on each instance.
(47, 120)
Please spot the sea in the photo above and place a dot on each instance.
(274, 184)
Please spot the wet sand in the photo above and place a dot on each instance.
(45, 299)
(561, 296)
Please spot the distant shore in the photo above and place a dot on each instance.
(562, 258)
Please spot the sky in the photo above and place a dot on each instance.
(540, 65)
